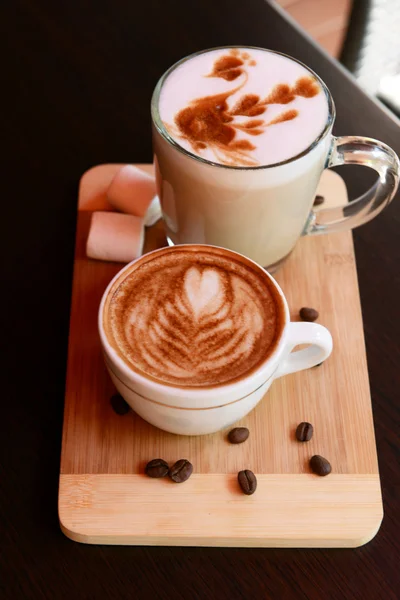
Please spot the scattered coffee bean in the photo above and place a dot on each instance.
(181, 471)
(238, 435)
(247, 481)
(304, 432)
(320, 465)
(319, 200)
(119, 405)
(157, 468)
(309, 314)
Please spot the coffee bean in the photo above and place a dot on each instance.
(181, 471)
(304, 432)
(238, 435)
(309, 314)
(320, 465)
(319, 200)
(247, 481)
(157, 468)
(119, 405)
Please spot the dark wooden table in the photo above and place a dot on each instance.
(77, 80)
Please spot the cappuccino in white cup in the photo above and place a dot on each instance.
(193, 336)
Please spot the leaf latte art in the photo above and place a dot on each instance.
(194, 319)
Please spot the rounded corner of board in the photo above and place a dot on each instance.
(370, 533)
(72, 534)
(66, 505)
(71, 531)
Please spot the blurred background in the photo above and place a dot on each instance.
(364, 35)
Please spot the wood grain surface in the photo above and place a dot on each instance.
(334, 397)
(286, 511)
(77, 82)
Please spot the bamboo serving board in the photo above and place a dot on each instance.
(104, 497)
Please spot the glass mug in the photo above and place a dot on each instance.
(262, 211)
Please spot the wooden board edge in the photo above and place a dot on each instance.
(298, 511)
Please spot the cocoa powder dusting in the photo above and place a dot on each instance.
(196, 338)
(289, 115)
(281, 94)
(306, 87)
(208, 121)
(227, 68)
(205, 121)
(249, 106)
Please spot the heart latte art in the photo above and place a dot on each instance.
(194, 318)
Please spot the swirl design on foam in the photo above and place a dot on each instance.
(194, 323)
(210, 122)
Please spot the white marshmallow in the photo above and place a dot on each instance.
(131, 191)
(115, 237)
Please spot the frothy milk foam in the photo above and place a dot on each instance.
(194, 317)
(221, 106)
(243, 107)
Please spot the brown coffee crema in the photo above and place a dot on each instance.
(209, 122)
(194, 317)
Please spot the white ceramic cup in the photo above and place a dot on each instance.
(203, 410)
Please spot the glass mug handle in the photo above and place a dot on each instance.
(320, 347)
(366, 152)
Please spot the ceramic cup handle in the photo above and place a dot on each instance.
(320, 341)
(365, 152)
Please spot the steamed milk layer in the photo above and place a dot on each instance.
(194, 318)
(243, 107)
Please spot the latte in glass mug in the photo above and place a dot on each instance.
(241, 137)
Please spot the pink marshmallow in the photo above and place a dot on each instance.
(115, 236)
(131, 191)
